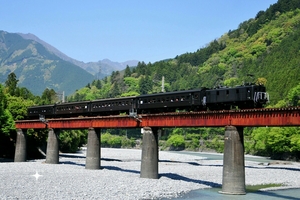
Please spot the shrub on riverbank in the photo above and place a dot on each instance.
(115, 141)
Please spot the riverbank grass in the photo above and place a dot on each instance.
(255, 188)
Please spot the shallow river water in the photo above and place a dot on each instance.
(208, 194)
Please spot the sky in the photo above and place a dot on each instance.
(122, 30)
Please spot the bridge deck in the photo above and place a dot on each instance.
(248, 118)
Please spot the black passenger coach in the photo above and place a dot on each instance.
(221, 98)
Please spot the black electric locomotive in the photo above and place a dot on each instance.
(243, 97)
(221, 98)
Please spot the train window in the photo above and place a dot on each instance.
(196, 96)
(237, 91)
(217, 92)
(227, 92)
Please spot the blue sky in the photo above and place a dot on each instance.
(122, 30)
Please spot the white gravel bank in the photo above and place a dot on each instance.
(119, 177)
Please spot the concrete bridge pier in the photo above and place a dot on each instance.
(233, 181)
(93, 152)
(21, 146)
(52, 154)
(149, 164)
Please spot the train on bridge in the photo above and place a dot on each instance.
(222, 98)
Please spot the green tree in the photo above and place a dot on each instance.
(127, 72)
(11, 83)
(48, 97)
(18, 107)
(71, 140)
(145, 85)
(24, 93)
(294, 96)
(115, 91)
(6, 119)
(176, 142)
(276, 141)
(97, 83)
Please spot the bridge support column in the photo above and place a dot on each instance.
(233, 181)
(149, 165)
(21, 146)
(52, 154)
(93, 152)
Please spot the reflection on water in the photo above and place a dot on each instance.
(213, 193)
(208, 194)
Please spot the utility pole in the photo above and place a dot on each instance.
(61, 96)
(163, 84)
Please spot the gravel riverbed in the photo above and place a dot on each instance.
(119, 177)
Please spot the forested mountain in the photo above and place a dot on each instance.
(36, 67)
(264, 48)
(39, 65)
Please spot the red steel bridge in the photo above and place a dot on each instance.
(244, 118)
(233, 180)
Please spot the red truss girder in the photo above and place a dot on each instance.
(254, 117)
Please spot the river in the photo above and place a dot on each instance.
(213, 193)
